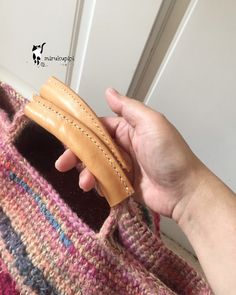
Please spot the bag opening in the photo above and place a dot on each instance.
(41, 149)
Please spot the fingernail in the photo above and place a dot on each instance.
(113, 91)
(57, 163)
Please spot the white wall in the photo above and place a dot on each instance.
(196, 87)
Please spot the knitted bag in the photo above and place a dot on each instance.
(54, 239)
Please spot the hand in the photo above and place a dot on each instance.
(164, 167)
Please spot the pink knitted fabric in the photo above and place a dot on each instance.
(48, 249)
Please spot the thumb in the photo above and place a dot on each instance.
(131, 110)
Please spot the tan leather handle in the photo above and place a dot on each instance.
(86, 145)
(65, 98)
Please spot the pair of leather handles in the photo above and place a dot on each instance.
(63, 113)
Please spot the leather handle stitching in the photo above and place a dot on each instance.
(73, 124)
(90, 115)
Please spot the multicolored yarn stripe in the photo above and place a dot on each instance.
(46, 248)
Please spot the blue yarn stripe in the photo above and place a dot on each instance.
(33, 277)
(48, 215)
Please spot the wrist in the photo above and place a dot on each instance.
(195, 193)
(205, 195)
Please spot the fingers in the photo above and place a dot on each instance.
(86, 180)
(66, 161)
(131, 110)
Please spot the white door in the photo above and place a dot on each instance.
(102, 39)
(195, 88)
(111, 39)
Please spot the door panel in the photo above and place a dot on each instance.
(112, 37)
